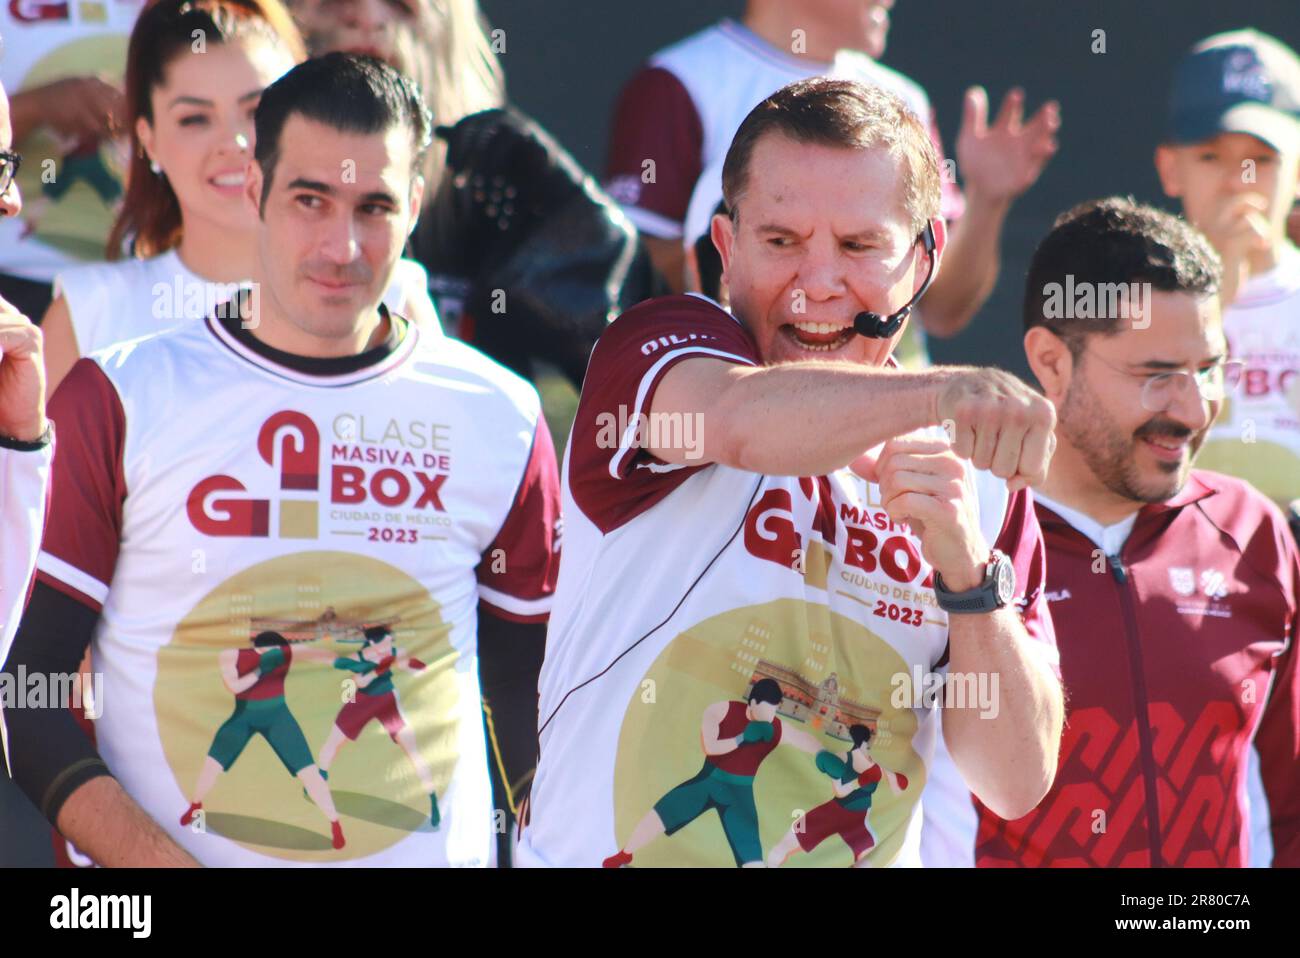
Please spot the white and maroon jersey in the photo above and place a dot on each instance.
(24, 479)
(208, 488)
(684, 586)
(1257, 436)
(682, 109)
(71, 188)
(112, 302)
(1178, 640)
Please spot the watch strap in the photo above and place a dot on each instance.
(34, 445)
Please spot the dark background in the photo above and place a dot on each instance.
(566, 60)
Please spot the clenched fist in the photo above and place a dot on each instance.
(999, 424)
(22, 376)
(924, 484)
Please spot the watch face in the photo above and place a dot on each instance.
(1005, 576)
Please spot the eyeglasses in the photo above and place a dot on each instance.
(9, 164)
(1161, 390)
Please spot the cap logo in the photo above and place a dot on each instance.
(1244, 75)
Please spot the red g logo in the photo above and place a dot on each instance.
(288, 441)
(769, 529)
(227, 517)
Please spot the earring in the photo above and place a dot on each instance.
(155, 168)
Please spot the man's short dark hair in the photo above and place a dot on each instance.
(267, 639)
(845, 114)
(1110, 243)
(860, 734)
(766, 690)
(347, 91)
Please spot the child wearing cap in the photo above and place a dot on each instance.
(1232, 157)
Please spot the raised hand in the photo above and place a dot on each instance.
(22, 376)
(1001, 161)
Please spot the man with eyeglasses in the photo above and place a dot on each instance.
(1173, 591)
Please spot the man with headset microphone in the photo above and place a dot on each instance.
(763, 498)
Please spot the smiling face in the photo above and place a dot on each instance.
(822, 235)
(334, 222)
(202, 130)
(1134, 453)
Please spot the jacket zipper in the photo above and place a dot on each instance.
(1142, 715)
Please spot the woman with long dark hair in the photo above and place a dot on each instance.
(196, 69)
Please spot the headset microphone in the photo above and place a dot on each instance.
(875, 326)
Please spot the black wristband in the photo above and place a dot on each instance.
(35, 445)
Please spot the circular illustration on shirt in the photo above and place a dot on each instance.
(72, 187)
(307, 708)
(766, 736)
(1242, 443)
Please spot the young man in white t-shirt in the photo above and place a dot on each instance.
(721, 554)
(676, 116)
(286, 485)
(1232, 158)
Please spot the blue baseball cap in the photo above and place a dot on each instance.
(1243, 81)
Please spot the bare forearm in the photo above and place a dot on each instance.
(970, 268)
(809, 419)
(104, 823)
(1006, 746)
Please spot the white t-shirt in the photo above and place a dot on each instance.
(683, 110)
(211, 489)
(71, 190)
(113, 302)
(1257, 436)
(719, 75)
(24, 480)
(683, 587)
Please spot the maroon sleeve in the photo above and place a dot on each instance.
(951, 203)
(517, 573)
(655, 119)
(1278, 738)
(612, 478)
(87, 488)
(246, 661)
(1021, 539)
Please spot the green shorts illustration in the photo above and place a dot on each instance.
(269, 718)
(731, 795)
